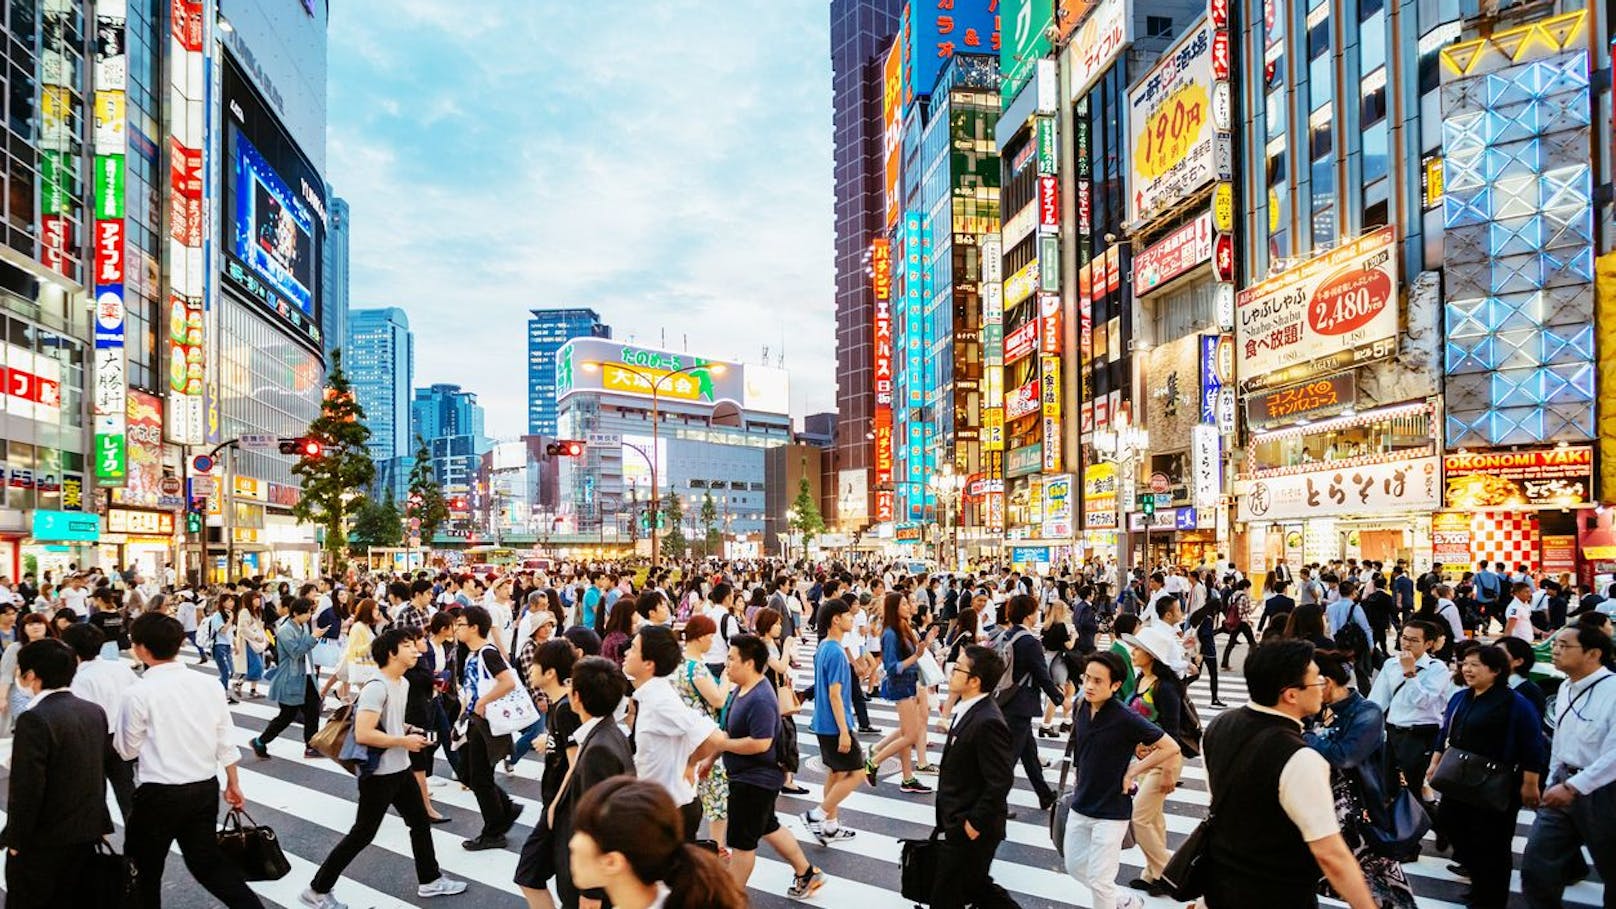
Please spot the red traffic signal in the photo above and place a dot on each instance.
(565, 448)
(304, 447)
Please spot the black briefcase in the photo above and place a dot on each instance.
(254, 849)
(917, 867)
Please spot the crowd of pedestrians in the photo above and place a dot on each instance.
(665, 705)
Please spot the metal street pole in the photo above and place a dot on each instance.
(656, 419)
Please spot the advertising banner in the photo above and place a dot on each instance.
(1050, 398)
(1176, 149)
(1049, 323)
(892, 135)
(1450, 539)
(1411, 484)
(1025, 27)
(881, 267)
(185, 139)
(1330, 313)
(1021, 401)
(1058, 506)
(1100, 495)
(1019, 462)
(939, 29)
(1174, 255)
(1021, 285)
(1312, 400)
(1098, 41)
(1020, 343)
(142, 485)
(1206, 469)
(109, 398)
(1537, 478)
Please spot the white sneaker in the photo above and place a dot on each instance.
(1129, 901)
(319, 900)
(441, 887)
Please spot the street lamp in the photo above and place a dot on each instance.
(791, 523)
(656, 381)
(1120, 446)
(948, 485)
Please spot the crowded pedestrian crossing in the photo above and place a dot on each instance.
(311, 803)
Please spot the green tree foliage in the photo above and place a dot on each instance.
(709, 524)
(334, 480)
(376, 524)
(426, 503)
(807, 520)
(673, 539)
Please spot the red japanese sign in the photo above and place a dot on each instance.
(1048, 202)
(109, 251)
(881, 267)
(1021, 342)
(1049, 323)
(185, 202)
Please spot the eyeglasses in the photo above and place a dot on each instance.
(1319, 684)
(968, 673)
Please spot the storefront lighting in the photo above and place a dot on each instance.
(1306, 427)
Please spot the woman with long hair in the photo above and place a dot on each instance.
(1306, 623)
(619, 628)
(782, 653)
(628, 839)
(357, 665)
(900, 651)
(1158, 696)
(250, 643)
(220, 631)
(1058, 639)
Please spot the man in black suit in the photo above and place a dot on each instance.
(57, 803)
(598, 686)
(973, 786)
(1030, 675)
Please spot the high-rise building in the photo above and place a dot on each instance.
(451, 422)
(379, 357)
(860, 32)
(334, 321)
(546, 332)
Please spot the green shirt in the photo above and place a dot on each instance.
(1121, 650)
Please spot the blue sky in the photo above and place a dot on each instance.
(666, 163)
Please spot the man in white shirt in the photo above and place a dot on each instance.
(1448, 611)
(1175, 581)
(1412, 692)
(1518, 614)
(75, 597)
(103, 683)
(669, 737)
(176, 723)
(1579, 806)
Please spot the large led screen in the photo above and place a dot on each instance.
(274, 212)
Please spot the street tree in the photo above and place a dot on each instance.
(673, 516)
(806, 519)
(376, 523)
(709, 525)
(335, 476)
(426, 504)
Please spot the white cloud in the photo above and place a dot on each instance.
(668, 165)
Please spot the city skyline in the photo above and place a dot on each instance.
(731, 240)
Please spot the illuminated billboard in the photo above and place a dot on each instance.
(603, 365)
(274, 212)
(892, 134)
(1025, 27)
(936, 30)
(111, 386)
(1176, 149)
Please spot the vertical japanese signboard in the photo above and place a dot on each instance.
(59, 115)
(183, 321)
(1177, 145)
(110, 398)
(882, 256)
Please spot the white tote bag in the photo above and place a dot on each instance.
(931, 673)
(511, 713)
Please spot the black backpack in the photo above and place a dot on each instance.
(1351, 637)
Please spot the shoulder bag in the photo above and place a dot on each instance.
(511, 713)
(917, 867)
(333, 735)
(253, 849)
(1468, 777)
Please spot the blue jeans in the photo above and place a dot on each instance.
(524, 742)
(225, 661)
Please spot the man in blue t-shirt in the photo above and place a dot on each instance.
(591, 604)
(833, 722)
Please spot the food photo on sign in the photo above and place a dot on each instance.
(1554, 477)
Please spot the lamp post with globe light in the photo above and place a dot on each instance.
(1121, 446)
(947, 485)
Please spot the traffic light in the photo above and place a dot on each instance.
(304, 447)
(193, 515)
(565, 448)
(1148, 503)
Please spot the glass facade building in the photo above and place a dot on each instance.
(335, 315)
(546, 332)
(379, 357)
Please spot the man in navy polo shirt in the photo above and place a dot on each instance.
(1107, 735)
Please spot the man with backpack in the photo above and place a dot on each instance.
(1017, 693)
(1350, 628)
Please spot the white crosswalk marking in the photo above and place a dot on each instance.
(311, 803)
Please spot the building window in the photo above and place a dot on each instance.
(1158, 26)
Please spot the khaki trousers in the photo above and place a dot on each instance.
(1149, 823)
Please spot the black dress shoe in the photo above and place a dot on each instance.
(1455, 868)
(439, 820)
(478, 844)
(1140, 883)
(510, 818)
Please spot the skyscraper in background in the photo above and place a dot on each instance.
(860, 32)
(379, 356)
(451, 421)
(334, 320)
(546, 332)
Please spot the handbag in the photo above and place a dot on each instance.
(1468, 777)
(1186, 873)
(1407, 822)
(1465, 776)
(327, 653)
(111, 878)
(931, 673)
(511, 713)
(334, 734)
(785, 746)
(789, 704)
(253, 849)
(917, 867)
